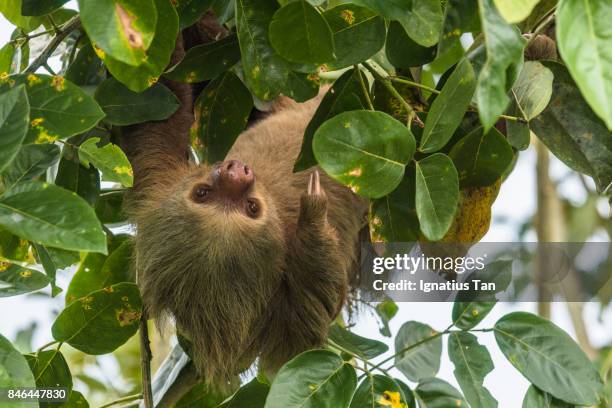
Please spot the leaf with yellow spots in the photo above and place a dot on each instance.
(16, 280)
(382, 391)
(109, 159)
(434, 392)
(106, 323)
(14, 113)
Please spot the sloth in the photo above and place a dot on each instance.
(250, 260)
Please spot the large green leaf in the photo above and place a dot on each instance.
(570, 129)
(418, 348)
(43, 257)
(379, 390)
(15, 280)
(109, 207)
(436, 393)
(123, 29)
(101, 321)
(533, 89)
(157, 56)
(548, 358)
(98, 271)
(448, 109)
(58, 108)
(535, 398)
(314, 379)
(472, 364)
(50, 371)
(124, 107)
(583, 35)
(460, 16)
(11, 9)
(14, 114)
(40, 7)
(206, 61)
(222, 112)
(50, 215)
(265, 72)
(73, 176)
(515, 11)
(350, 25)
(365, 150)
(344, 95)
(437, 194)
(361, 346)
(403, 52)
(86, 68)
(109, 159)
(253, 394)
(504, 47)
(14, 373)
(31, 161)
(481, 159)
(300, 34)
(421, 19)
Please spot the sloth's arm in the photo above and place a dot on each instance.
(314, 287)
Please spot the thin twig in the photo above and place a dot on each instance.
(145, 362)
(121, 400)
(541, 26)
(404, 81)
(366, 94)
(65, 30)
(44, 346)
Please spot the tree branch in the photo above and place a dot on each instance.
(145, 362)
(64, 31)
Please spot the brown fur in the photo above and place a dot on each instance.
(241, 288)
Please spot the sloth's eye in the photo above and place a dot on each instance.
(252, 208)
(201, 192)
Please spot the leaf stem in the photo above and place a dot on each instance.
(387, 84)
(44, 346)
(64, 31)
(404, 81)
(366, 94)
(123, 399)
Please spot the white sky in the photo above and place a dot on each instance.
(515, 203)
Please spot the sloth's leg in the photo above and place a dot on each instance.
(314, 286)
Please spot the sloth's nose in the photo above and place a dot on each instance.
(234, 177)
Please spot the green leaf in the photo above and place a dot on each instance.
(222, 112)
(37, 212)
(14, 113)
(77, 400)
(157, 56)
(583, 36)
(253, 394)
(206, 61)
(7, 56)
(190, 11)
(365, 150)
(98, 271)
(535, 398)
(449, 107)
(515, 11)
(12, 12)
(44, 258)
(418, 348)
(301, 86)
(386, 310)
(344, 95)
(101, 321)
(15, 280)
(14, 373)
(265, 72)
(350, 25)
(436, 393)
(437, 194)
(58, 108)
(421, 19)
(109, 207)
(472, 364)
(73, 176)
(504, 46)
(313, 379)
(123, 29)
(403, 52)
(50, 371)
(481, 159)
(361, 346)
(570, 129)
(202, 396)
(109, 159)
(393, 217)
(548, 358)
(87, 68)
(31, 161)
(378, 390)
(533, 89)
(300, 34)
(471, 307)
(40, 7)
(124, 107)
(460, 16)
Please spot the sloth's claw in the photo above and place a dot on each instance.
(314, 184)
